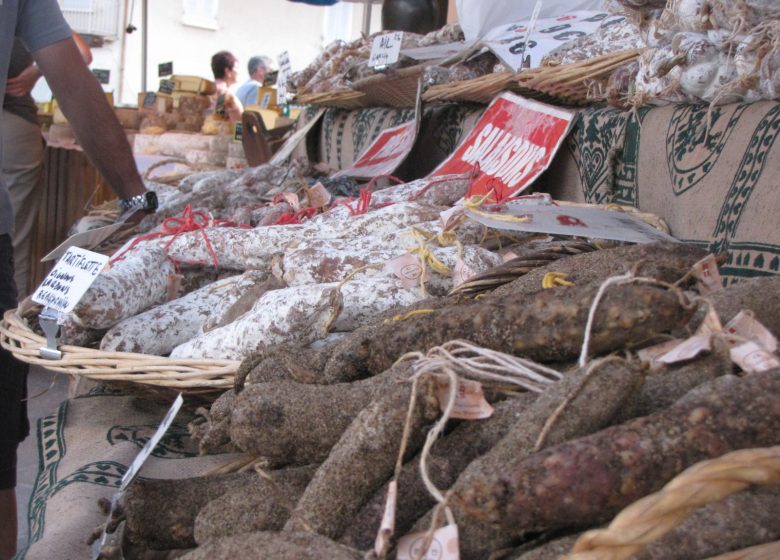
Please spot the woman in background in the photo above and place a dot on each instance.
(225, 68)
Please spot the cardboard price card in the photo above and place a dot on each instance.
(385, 49)
(519, 45)
(384, 154)
(73, 274)
(593, 223)
(285, 69)
(511, 145)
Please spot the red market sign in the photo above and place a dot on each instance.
(511, 145)
(385, 153)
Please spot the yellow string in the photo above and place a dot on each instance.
(553, 279)
(406, 316)
(426, 255)
(475, 202)
(444, 239)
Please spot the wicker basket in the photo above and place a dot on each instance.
(569, 84)
(340, 99)
(476, 90)
(155, 374)
(572, 84)
(395, 89)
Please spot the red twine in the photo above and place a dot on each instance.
(174, 226)
(296, 217)
(363, 202)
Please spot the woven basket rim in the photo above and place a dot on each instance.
(339, 98)
(565, 83)
(159, 371)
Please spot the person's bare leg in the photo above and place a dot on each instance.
(8, 523)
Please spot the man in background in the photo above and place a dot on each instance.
(40, 26)
(258, 67)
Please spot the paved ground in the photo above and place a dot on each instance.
(46, 391)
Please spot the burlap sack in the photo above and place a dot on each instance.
(85, 447)
(715, 188)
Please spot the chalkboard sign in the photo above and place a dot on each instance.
(167, 86)
(102, 75)
(150, 98)
(165, 69)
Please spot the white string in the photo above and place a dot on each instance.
(433, 435)
(469, 360)
(622, 279)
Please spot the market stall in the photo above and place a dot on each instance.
(470, 309)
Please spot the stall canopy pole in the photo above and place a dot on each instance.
(144, 37)
(366, 17)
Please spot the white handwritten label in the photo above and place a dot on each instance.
(386, 49)
(444, 546)
(282, 78)
(70, 278)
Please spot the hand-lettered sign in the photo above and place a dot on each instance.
(511, 145)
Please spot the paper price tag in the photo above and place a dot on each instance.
(408, 268)
(470, 403)
(745, 327)
(292, 199)
(462, 272)
(385, 49)
(707, 273)
(451, 217)
(688, 349)
(444, 546)
(651, 354)
(318, 196)
(752, 358)
(711, 323)
(70, 278)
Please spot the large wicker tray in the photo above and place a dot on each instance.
(341, 99)
(568, 84)
(397, 88)
(156, 373)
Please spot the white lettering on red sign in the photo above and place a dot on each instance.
(503, 155)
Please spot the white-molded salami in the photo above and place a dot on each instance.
(298, 315)
(366, 297)
(160, 329)
(134, 283)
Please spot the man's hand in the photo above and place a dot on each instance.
(23, 83)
